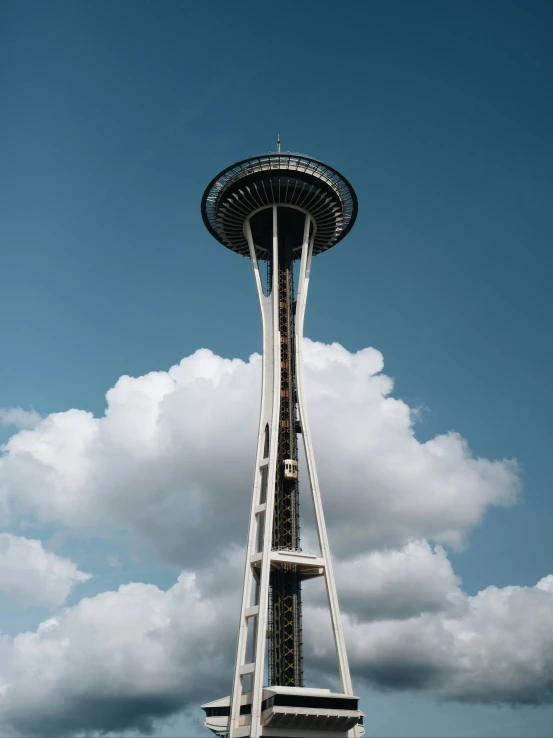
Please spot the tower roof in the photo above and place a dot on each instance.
(279, 179)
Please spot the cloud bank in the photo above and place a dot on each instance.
(172, 459)
(124, 659)
(114, 662)
(170, 463)
(494, 647)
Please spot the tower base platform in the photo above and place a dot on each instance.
(291, 712)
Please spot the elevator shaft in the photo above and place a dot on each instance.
(285, 660)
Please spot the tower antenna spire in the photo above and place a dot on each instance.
(278, 143)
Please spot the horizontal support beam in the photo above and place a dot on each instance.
(293, 557)
(309, 565)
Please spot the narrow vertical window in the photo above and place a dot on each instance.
(266, 446)
(263, 490)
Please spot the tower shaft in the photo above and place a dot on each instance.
(285, 659)
(280, 210)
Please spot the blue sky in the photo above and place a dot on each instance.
(117, 115)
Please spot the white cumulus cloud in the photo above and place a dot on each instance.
(500, 650)
(19, 417)
(171, 460)
(494, 647)
(30, 574)
(116, 661)
(122, 660)
(398, 583)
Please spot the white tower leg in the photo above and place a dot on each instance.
(338, 633)
(258, 555)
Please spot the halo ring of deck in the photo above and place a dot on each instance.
(279, 179)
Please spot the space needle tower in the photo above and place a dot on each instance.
(280, 210)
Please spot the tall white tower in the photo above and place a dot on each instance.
(279, 209)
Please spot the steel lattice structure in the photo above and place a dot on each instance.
(278, 209)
